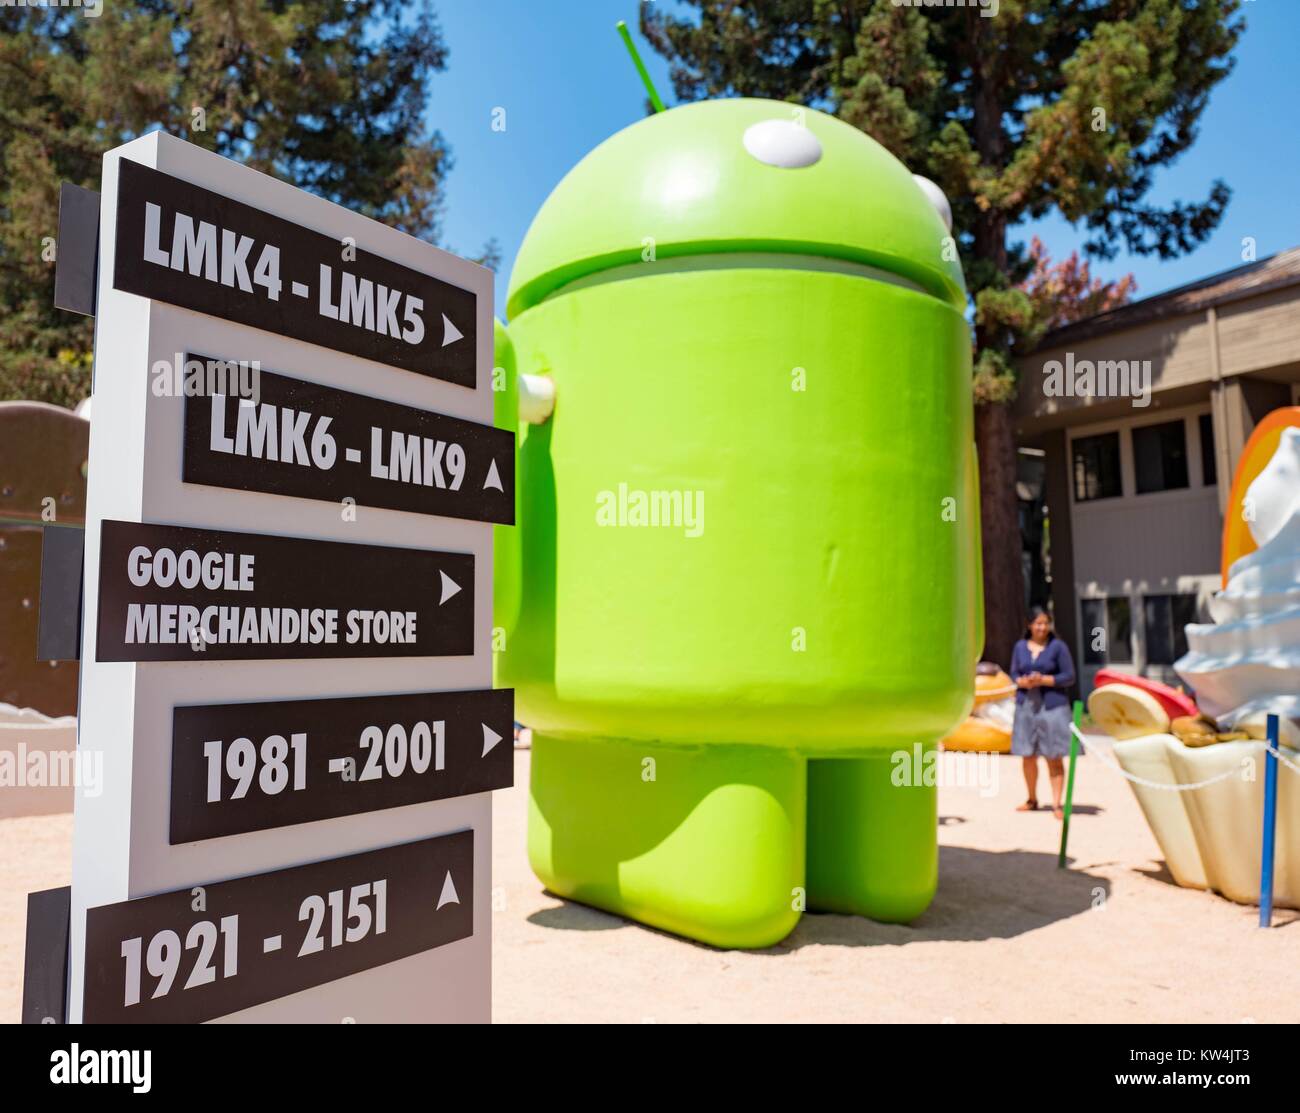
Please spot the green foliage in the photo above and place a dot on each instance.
(993, 378)
(327, 94)
(1050, 104)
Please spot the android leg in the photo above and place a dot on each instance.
(872, 843)
(706, 842)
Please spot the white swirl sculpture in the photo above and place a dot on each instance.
(1242, 667)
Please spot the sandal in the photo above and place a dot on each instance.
(1030, 805)
(1058, 811)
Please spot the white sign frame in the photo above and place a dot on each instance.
(121, 848)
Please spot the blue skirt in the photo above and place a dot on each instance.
(1039, 731)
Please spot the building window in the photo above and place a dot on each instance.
(1160, 457)
(1096, 467)
(1164, 618)
(1209, 469)
(1107, 631)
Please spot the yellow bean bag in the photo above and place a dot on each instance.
(979, 734)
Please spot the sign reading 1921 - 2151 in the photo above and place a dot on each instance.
(185, 245)
(318, 442)
(211, 950)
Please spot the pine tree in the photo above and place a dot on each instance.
(1069, 105)
(327, 94)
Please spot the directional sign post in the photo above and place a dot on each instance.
(286, 643)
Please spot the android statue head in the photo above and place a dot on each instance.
(751, 520)
(729, 176)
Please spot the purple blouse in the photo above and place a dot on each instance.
(1053, 661)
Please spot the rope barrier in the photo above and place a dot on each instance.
(1272, 750)
(1277, 753)
(1146, 783)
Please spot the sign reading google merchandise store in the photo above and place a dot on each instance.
(286, 652)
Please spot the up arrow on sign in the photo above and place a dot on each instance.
(448, 894)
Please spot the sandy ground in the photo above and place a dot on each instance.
(1009, 936)
(35, 853)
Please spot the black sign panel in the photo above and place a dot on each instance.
(318, 442)
(242, 767)
(185, 245)
(171, 593)
(45, 960)
(259, 938)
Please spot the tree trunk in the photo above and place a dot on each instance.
(1004, 581)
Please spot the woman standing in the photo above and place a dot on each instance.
(1043, 671)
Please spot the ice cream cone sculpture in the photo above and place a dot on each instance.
(1243, 667)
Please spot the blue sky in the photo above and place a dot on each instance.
(560, 72)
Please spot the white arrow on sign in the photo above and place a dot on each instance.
(490, 739)
(493, 478)
(449, 587)
(450, 333)
(448, 894)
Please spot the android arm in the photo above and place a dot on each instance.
(536, 399)
(521, 400)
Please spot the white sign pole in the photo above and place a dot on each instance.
(121, 841)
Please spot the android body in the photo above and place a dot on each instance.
(744, 576)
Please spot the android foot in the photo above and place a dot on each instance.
(872, 842)
(706, 842)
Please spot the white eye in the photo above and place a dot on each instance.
(936, 198)
(782, 143)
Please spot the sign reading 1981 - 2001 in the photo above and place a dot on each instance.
(171, 593)
(193, 955)
(180, 243)
(251, 766)
(318, 442)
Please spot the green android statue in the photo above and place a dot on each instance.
(744, 584)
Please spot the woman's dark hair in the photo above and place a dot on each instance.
(1034, 614)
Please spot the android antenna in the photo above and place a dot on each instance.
(640, 66)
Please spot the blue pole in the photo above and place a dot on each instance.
(1270, 826)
